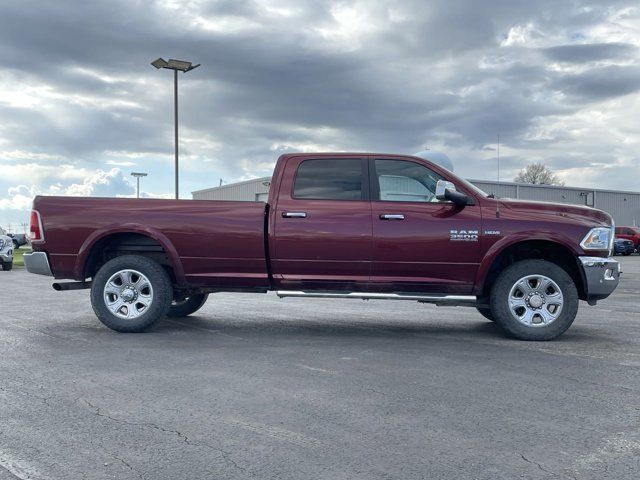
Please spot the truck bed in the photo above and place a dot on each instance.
(222, 238)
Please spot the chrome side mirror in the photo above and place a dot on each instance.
(447, 191)
(441, 189)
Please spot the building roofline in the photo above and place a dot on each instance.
(230, 185)
(555, 187)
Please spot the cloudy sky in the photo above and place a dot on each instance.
(81, 107)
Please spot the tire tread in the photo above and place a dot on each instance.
(162, 293)
(502, 286)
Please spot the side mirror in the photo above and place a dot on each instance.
(441, 189)
(447, 191)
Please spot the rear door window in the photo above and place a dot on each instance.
(330, 179)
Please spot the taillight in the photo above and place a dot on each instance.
(36, 233)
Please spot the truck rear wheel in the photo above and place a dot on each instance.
(131, 293)
(187, 305)
(534, 300)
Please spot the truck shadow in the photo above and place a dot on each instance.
(468, 330)
(333, 328)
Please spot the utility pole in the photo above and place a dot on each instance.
(498, 158)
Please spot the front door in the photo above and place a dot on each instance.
(322, 235)
(420, 244)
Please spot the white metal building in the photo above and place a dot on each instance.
(623, 206)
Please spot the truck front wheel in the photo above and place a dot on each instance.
(534, 300)
(131, 293)
(187, 305)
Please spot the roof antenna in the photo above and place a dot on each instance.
(497, 200)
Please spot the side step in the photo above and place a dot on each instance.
(449, 300)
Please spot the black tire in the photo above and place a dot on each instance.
(508, 278)
(187, 306)
(486, 313)
(6, 266)
(162, 293)
(626, 254)
(15, 245)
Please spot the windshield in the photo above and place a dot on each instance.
(473, 188)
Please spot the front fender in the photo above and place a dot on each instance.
(501, 245)
(161, 238)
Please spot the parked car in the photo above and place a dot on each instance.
(622, 246)
(19, 239)
(367, 226)
(6, 250)
(630, 233)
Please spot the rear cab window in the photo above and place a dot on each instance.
(330, 179)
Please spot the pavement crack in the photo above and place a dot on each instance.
(226, 456)
(126, 464)
(533, 462)
(98, 411)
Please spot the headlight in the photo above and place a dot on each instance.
(600, 238)
(1, 243)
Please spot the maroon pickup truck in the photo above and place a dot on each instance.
(365, 226)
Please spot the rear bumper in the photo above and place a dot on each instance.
(601, 275)
(37, 262)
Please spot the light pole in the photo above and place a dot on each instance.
(175, 65)
(138, 175)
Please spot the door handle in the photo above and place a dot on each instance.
(294, 214)
(391, 216)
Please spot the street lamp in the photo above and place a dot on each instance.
(175, 65)
(138, 175)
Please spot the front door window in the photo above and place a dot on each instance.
(402, 181)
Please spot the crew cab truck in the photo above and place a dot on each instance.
(366, 226)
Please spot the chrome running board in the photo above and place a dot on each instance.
(450, 300)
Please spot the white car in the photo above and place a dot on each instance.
(6, 250)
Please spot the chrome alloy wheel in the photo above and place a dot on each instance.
(128, 294)
(535, 301)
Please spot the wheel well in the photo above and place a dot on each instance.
(118, 244)
(535, 249)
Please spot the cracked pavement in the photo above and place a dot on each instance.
(257, 387)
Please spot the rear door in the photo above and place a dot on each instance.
(322, 235)
(420, 244)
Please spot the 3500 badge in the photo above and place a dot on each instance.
(463, 235)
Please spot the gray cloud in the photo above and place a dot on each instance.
(601, 83)
(590, 52)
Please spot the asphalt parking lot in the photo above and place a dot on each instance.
(257, 387)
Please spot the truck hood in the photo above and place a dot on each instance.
(588, 215)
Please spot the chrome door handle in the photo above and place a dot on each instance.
(294, 214)
(391, 216)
